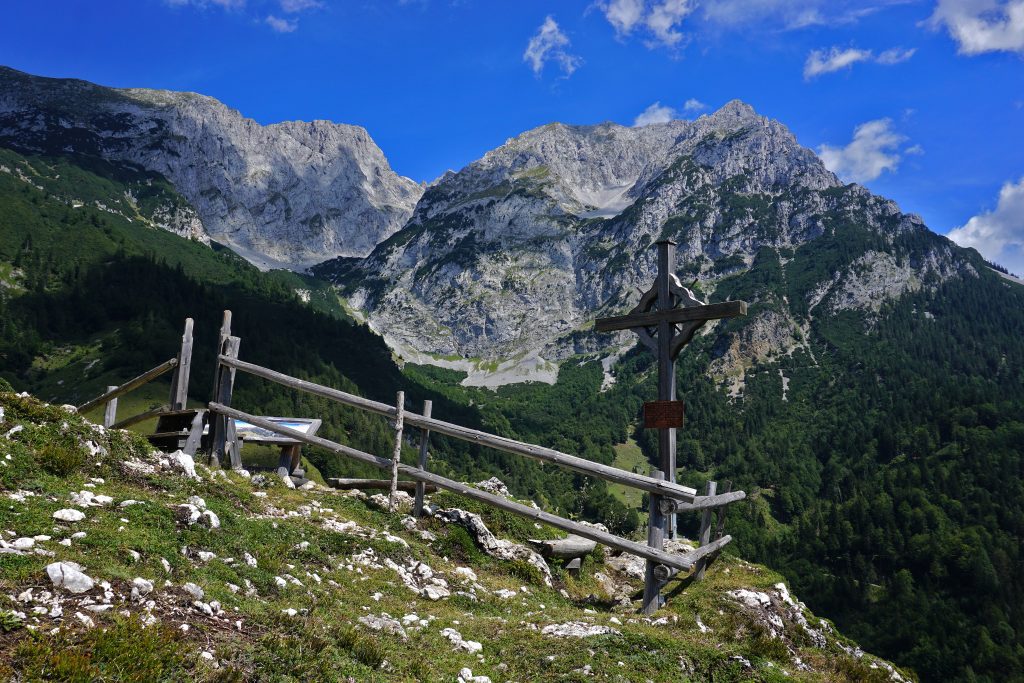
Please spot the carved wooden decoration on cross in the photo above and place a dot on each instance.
(665, 319)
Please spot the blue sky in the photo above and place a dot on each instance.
(922, 101)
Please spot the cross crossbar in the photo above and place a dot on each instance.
(726, 309)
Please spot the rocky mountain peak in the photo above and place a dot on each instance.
(283, 195)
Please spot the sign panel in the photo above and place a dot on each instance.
(253, 434)
(664, 414)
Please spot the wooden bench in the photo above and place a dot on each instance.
(291, 450)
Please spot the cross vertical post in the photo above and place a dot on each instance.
(666, 370)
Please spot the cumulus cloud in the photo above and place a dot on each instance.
(660, 20)
(875, 148)
(980, 26)
(656, 113)
(998, 234)
(895, 55)
(281, 25)
(624, 15)
(822, 62)
(550, 44)
(694, 105)
(836, 59)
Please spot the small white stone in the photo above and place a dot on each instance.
(86, 621)
(143, 586)
(194, 590)
(23, 543)
(69, 515)
(69, 576)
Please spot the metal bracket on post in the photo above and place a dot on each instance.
(421, 487)
(656, 540)
(705, 533)
(397, 455)
(110, 412)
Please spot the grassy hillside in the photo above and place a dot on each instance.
(298, 585)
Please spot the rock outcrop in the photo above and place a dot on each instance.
(284, 195)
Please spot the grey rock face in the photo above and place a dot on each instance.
(510, 258)
(285, 195)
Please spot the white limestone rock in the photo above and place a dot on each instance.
(69, 576)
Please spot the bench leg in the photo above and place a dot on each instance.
(290, 458)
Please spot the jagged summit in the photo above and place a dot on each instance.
(552, 227)
(283, 195)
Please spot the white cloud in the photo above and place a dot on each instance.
(623, 15)
(821, 62)
(835, 59)
(296, 6)
(694, 105)
(550, 44)
(998, 234)
(664, 19)
(656, 113)
(895, 55)
(980, 26)
(661, 19)
(281, 25)
(873, 150)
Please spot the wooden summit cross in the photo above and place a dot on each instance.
(666, 319)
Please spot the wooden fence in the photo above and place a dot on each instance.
(667, 497)
(672, 496)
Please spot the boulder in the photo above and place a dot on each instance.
(69, 576)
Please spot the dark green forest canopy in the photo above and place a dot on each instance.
(888, 485)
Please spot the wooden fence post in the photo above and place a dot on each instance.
(110, 413)
(397, 457)
(179, 385)
(720, 527)
(421, 487)
(705, 532)
(656, 540)
(223, 431)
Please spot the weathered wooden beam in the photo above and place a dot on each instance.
(603, 537)
(141, 417)
(613, 474)
(179, 390)
(656, 542)
(110, 412)
(195, 433)
(222, 430)
(664, 573)
(565, 548)
(396, 457)
(726, 309)
(705, 502)
(720, 527)
(705, 530)
(424, 453)
(144, 378)
(383, 484)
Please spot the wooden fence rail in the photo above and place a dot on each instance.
(130, 385)
(680, 562)
(613, 474)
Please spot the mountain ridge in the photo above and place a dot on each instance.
(282, 195)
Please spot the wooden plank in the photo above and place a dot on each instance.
(603, 537)
(720, 528)
(565, 548)
(613, 474)
(144, 378)
(726, 309)
(417, 510)
(110, 412)
(705, 552)
(705, 502)
(705, 530)
(396, 456)
(223, 430)
(382, 484)
(179, 397)
(656, 542)
(195, 433)
(141, 417)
